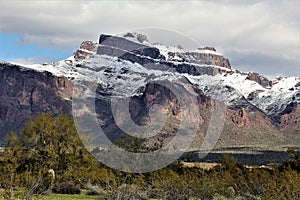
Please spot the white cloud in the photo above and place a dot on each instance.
(265, 63)
(271, 27)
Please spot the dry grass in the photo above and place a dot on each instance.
(200, 165)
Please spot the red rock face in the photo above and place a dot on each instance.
(65, 87)
(244, 117)
(87, 48)
(240, 117)
(291, 121)
(81, 55)
(89, 45)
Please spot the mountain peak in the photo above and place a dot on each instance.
(136, 48)
(87, 48)
(138, 36)
(207, 48)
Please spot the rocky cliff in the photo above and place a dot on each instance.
(150, 56)
(27, 92)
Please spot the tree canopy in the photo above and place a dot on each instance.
(47, 144)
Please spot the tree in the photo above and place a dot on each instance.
(294, 162)
(228, 162)
(47, 144)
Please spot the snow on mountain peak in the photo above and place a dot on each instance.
(207, 50)
(137, 37)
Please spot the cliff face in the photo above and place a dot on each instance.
(87, 49)
(203, 56)
(290, 121)
(27, 92)
(190, 62)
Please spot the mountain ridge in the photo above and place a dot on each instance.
(125, 65)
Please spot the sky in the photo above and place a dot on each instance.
(260, 36)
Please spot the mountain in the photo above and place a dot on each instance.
(258, 111)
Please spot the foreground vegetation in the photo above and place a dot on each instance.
(49, 162)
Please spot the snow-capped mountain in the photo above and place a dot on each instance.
(169, 62)
(129, 66)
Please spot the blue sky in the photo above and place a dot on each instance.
(13, 49)
(260, 36)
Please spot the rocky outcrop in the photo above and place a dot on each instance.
(120, 46)
(205, 59)
(139, 108)
(28, 92)
(207, 48)
(89, 45)
(138, 36)
(87, 48)
(81, 55)
(64, 87)
(202, 56)
(151, 58)
(290, 120)
(240, 117)
(263, 81)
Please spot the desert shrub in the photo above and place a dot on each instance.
(125, 192)
(228, 163)
(255, 181)
(66, 187)
(169, 184)
(286, 185)
(93, 192)
(294, 162)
